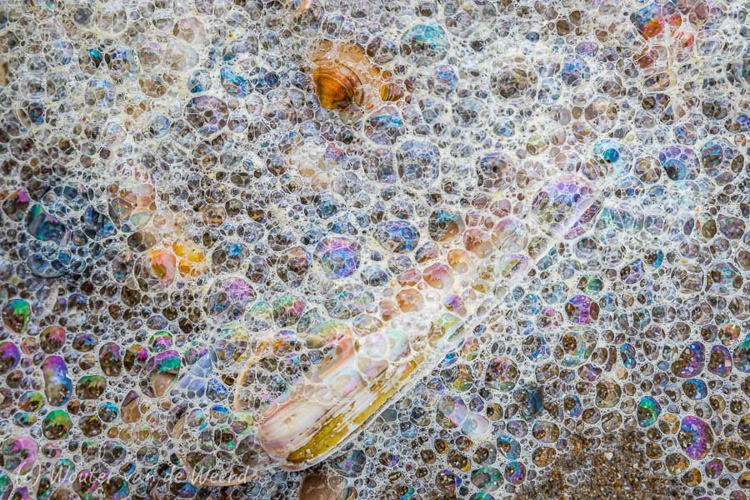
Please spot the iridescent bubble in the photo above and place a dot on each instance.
(562, 204)
(122, 64)
(530, 399)
(695, 389)
(287, 310)
(230, 297)
(720, 361)
(52, 339)
(445, 79)
(45, 227)
(339, 257)
(627, 353)
(691, 361)
(444, 225)
(714, 468)
(160, 341)
(234, 84)
(572, 405)
(159, 373)
(115, 488)
(724, 278)
(574, 71)
(425, 42)
(10, 355)
(384, 125)
(633, 272)
(261, 314)
(90, 386)
(56, 424)
(581, 310)
(19, 454)
(695, 437)
(16, 204)
(502, 374)
(199, 81)
(207, 114)
(679, 162)
(486, 478)
(57, 386)
(16, 315)
(108, 411)
(31, 401)
(614, 155)
(731, 227)
(515, 472)
(509, 447)
(648, 411)
(418, 163)
(398, 236)
(721, 161)
(741, 356)
(99, 93)
(575, 346)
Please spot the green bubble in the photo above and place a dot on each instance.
(56, 424)
(16, 315)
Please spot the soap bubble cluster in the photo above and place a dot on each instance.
(520, 228)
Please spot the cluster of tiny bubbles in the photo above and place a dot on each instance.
(203, 203)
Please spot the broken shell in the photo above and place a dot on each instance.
(361, 372)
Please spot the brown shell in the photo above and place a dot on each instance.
(343, 75)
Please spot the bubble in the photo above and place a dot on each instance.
(695, 389)
(560, 205)
(234, 84)
(398, 236)
(418, 163)
(502, 374)
(741, 356)
(57, 386)
(581, 310)
(690, 362)
(575, 71)
(56, 425)
(19, 454)
(100, 93)
(654, 18)
(627, 354)
(575, 346)
(207, 114)
(680, 163)
(338, 257)
(384, 125)
(648, 411)
(90, 386)
(608, 394)
(695, 437)
(425, 41)
(515, 472)
(720, 361)
(444, 225)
